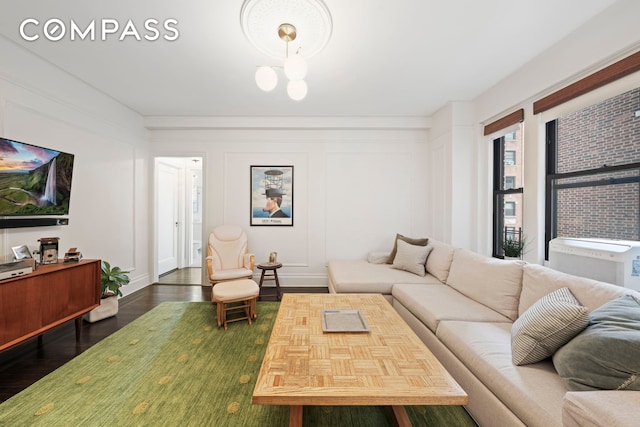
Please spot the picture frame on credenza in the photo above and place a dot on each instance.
(21, 252)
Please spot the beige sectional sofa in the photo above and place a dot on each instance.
(464, 309)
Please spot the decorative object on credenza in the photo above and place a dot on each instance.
(49, 250)
(72, 255)
(111, 280)
(271, 195)
(21, 267)
(21, 252)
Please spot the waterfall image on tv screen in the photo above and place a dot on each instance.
(34, 180)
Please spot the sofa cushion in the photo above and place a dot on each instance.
(377, 257)
(546, 326)
(532, 392)
(493, 282)
(606, 355)
(538, 281)
(434, 303)
(412, 241)
(600, 408)
(439, 260)
(359, 276)
(411, 258)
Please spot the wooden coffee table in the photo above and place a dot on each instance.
(389, 365)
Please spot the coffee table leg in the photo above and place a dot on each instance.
(402, 419)
(295, 416)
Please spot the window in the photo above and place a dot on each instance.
(507, 188)
(509, 158)
(510, 210)
(509, 182)
(593, 171)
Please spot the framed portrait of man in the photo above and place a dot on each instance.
(272, 195)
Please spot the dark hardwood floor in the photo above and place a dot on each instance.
(26, 363)
(183, 276)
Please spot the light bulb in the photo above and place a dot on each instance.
(297, 89)
(266, 78)
(295, 67)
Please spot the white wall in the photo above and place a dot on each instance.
(605, 39)
(354, 189)
(108, 214)
(452, 171)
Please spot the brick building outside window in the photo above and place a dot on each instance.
(594, 191)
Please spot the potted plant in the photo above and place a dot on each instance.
(513, 249)
(111, 280)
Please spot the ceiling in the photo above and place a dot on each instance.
(385, 58)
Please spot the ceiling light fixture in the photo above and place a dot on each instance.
(295, 68)
(267, 23)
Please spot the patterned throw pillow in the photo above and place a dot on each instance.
(546, 326)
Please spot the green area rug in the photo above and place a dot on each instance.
(174, 367)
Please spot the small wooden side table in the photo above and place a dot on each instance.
(273, 268)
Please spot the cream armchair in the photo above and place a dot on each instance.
(228, 256)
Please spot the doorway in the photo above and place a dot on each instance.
(178, 216)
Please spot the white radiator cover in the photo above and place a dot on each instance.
(611, 261)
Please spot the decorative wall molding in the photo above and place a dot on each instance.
(286, 122)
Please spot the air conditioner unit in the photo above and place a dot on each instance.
(611, 261)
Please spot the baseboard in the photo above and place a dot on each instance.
(136, 284)
(297, 280)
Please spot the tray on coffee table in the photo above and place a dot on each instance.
(344, 320)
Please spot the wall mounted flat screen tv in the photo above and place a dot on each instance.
(34, 180)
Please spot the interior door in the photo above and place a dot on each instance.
(168, 220)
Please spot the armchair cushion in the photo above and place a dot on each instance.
(231, 274)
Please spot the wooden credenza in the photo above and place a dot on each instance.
(50, 296)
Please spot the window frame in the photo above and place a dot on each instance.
(498, 195)
(551, 176)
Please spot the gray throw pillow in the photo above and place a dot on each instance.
(410, 240)
(546, 326)
(411, 258)
(606, 355)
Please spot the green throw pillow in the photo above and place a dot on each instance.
(409, 240)
(606, 355)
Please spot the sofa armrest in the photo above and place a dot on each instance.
(600, 408)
